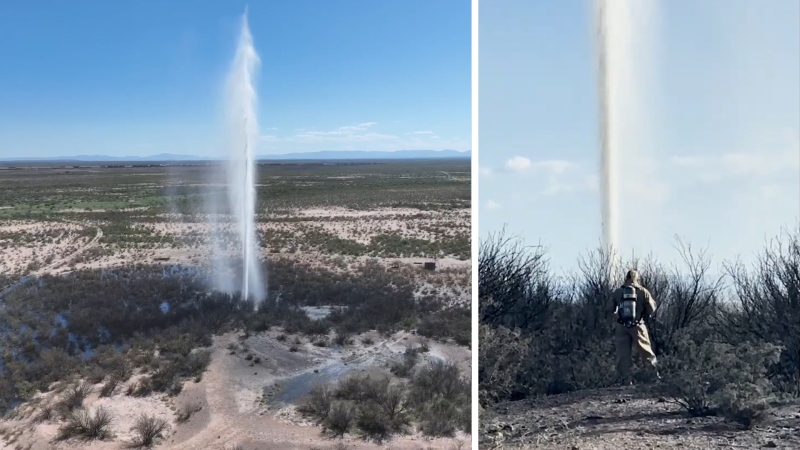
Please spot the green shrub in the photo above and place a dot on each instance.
(373, 423)
(108, 388)
(440, 417)
(86, 426)
(74, 396)
(378, 408)
(440, 397)
(148, 429)
(339, 418)
(318, 402)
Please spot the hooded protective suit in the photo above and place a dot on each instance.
(626, 339)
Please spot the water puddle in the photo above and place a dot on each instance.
(298, 386)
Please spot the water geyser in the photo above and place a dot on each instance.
(623, 34)
(242, 125)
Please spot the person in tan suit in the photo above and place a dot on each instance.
(630, 305)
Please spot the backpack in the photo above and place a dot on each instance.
(626, 310)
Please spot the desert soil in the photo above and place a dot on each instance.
(54, 245)
(238, 399)
(626, 418)
(234, 410)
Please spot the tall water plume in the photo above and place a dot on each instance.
(242, 126)
(625, 51)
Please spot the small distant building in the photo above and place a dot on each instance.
(429, 265)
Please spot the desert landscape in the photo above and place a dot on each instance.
(114, 336)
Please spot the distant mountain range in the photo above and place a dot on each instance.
(325, 155)
(400, 154)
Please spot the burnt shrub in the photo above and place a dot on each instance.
(502, 354)
(727, 345)
(717, 378)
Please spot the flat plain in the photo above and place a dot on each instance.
(108, 310)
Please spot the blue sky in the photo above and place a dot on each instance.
(146, 77)
(723, 141)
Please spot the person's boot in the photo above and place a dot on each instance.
(625, 381)
(655, 367)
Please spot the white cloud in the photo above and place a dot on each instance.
(751, 164)
(521, 164)
(350, 133)
(757, 163)
(518, 164)
(360, 136)
(692, 162)
(423, 135)
(491, 204)
(760, 163)
(354, 128)
(341, 136)
(556, 167)
(574, 183)
(770, 191)
(558, 176)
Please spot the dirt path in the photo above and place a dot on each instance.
(235, 417)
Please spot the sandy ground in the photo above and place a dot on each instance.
(54, 246)
(241, 403)
(344, 212)
(355, 225)
(239, 400)
(47, 245)
(58, 247)
(626, 418)
(60, 264)
(36, 248)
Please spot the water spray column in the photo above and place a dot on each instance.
(241, 102)
(608, 157)
(246, 234)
